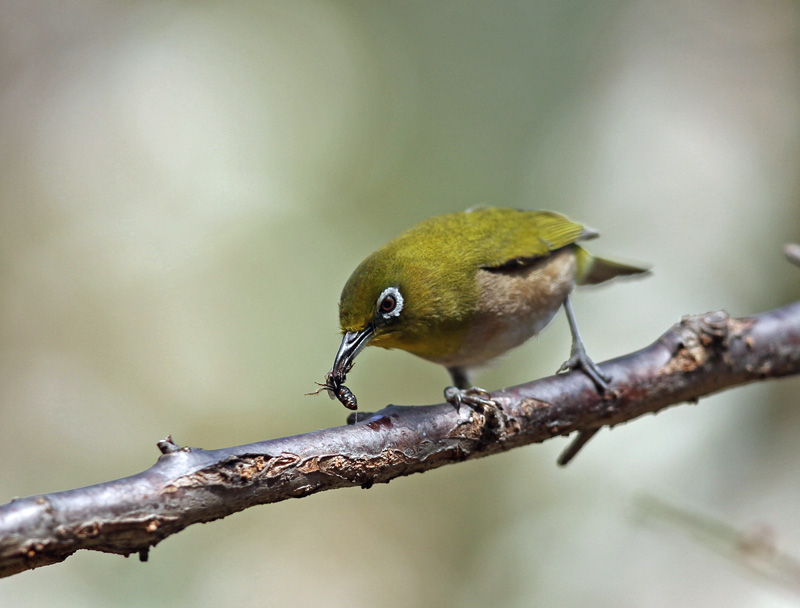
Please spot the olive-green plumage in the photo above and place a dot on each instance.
(444, 266)
(461, 289)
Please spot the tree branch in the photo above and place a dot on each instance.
(699, 356)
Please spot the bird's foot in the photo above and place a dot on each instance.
(580, 360)
(473, 397)
(476, 399)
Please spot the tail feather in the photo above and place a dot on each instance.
(598, 270)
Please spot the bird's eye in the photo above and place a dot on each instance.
(390, 303)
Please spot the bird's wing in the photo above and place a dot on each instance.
(529, 235)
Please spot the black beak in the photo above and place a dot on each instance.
(352, 344)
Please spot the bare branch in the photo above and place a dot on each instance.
(699, 356)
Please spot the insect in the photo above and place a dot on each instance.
(333, 384)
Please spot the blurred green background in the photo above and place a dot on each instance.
(185, 187)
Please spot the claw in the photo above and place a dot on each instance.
(580, 360)
(473, 397)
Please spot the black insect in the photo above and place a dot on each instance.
(346, 397)
(333, 384)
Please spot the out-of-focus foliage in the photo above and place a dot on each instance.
(185, 187)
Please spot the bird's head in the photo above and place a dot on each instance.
(408, 297)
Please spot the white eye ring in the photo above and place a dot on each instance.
(389, 303)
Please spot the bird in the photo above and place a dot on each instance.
(463, 288)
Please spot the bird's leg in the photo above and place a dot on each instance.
(460, 377)
(464, 393)
(579, 359)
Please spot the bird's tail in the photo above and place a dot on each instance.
(592, 270)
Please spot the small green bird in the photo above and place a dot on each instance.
(463, 288)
